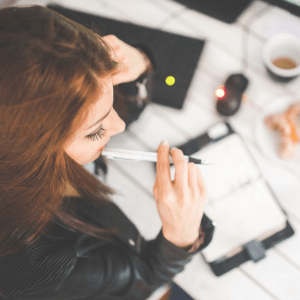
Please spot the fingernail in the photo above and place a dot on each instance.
(164, 142)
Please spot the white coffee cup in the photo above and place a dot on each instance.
(276, 49)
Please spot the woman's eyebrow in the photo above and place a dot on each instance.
(100, 119)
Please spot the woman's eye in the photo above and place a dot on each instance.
(94, 136)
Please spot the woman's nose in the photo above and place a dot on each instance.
(118, 125)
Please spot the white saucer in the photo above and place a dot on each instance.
(268, 140)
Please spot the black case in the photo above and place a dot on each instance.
(254, 250)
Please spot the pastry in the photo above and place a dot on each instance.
(288, 125)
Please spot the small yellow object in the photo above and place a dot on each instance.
(170, 80)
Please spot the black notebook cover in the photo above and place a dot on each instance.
(174, 55)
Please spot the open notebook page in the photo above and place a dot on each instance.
(239, 200)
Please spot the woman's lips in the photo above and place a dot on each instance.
(101, 148)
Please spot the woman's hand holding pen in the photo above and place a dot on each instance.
(133, 62)
(181, 202)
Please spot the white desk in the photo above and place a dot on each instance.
(278, 275)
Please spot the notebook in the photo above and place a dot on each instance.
(175, 55)
(243, 207)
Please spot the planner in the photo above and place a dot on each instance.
(247, 215)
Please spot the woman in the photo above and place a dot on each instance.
(61, 237)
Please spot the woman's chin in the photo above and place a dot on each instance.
(97, 154)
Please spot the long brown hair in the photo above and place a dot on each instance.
(50, 74)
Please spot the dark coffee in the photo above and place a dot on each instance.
(284, 63)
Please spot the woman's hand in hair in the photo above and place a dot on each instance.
(132, 61)
(180, 203)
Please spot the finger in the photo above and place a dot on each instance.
(192, 177)
(120, 77)
(155, 191)
(110, 38)
(116, 45)
(111, 41)
(201, 183)
(181, 167)
(163, 165)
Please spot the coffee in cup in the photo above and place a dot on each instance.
(281, 56)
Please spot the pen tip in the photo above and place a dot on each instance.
(201, 161)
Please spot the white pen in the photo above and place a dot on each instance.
(131, 155)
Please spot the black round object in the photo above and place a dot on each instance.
(234, 87)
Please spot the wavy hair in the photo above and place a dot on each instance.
(50, 74)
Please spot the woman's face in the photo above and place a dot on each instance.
(102, 123)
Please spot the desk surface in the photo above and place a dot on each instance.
(278, 275)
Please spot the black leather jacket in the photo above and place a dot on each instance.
(65, 264)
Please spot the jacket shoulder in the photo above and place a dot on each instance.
(45, 261)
